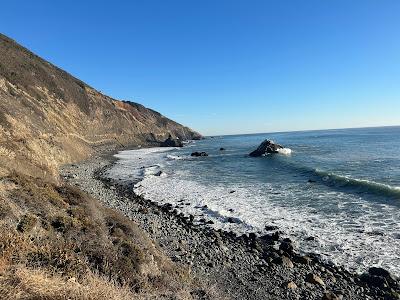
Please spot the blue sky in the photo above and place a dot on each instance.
(224, 67)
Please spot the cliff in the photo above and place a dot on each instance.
(49, 118)
(57, 242)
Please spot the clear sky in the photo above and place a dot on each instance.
(224, 67)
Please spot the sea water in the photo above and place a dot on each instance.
(336, 193)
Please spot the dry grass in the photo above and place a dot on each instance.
(57, 242)
(23, 283)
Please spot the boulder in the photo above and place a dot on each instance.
(290, 285)
(314, 279)
(266, 147)
(171, 142)
(286, 246)
(196, 154)
(283, 261)
(379, 277)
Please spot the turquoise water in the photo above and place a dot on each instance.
(351, 206)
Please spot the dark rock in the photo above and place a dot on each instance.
(252, 236)
(158, 173)
(283, 261)
(270, 227)
(310, 238)
(331, 296)
(379, 272)
(311, 181)
(221, 149)
(266, 147)
(231, 210)
(379, 277)
(231, 192)
(171, 142)
(373, 280)
(271, 237)
(286, 246)
(197, 154)
(233, 220)
(304, 260)
(275, 236)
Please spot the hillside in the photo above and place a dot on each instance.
(56, 241)
(48, 117)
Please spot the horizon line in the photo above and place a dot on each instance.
(303, 130)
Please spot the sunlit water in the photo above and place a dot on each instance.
(351, 206)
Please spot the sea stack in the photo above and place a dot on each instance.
(266, 147)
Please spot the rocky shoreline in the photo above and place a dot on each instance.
(239, 267)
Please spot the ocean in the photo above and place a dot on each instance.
(335, 193)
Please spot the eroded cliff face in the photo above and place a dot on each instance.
(48, 117)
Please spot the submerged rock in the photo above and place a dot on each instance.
(199, 154)
(171, 142)
(266, 147)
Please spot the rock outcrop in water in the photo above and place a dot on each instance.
(196, 154)
(266, 147)
(171, 142)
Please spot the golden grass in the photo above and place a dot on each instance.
(56, 242)
(23, 283)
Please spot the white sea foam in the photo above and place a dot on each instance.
(368, 238)
(285, 151)
(357, 244)
(176, 157)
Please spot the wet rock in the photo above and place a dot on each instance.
(252, 236)
(197, 154)
(275, 236)
(266, 147)
(171, 142)
(314, 279)
(271, 227)
(375, 271)
(286, 246)
(373, 280)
